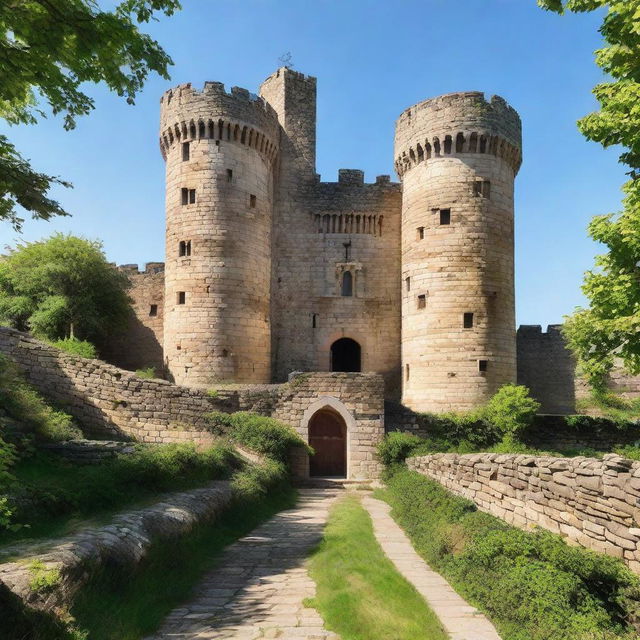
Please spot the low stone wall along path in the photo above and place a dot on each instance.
(258, 588)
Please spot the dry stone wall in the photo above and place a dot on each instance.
(112, 403)
(594, 503)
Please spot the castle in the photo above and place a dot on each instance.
(269, 270)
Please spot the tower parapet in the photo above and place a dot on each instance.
(220, 149)
(457, 156)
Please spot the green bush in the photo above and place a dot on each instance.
(23, 403)
(256, 480)
(397, 446)
(532, 584)
(511, 410)
(263, 435)
(448, 430)
(596, 423)
(76, 347)
(148, 373)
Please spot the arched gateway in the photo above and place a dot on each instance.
(346, 355)
(328, 437)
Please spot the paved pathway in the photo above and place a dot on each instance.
(459, 619)
(258, 587)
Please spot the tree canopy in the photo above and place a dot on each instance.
(63, 287)
(49, 50)
(610, 327)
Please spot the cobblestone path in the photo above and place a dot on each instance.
(257, 589)
(459, 619)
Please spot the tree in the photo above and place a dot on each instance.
(63, 287)
(48, 50)
(610, 327)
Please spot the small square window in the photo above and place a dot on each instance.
(229, 175)
(185, 151)
(185, 196)
(422, 301)
(407, 282)
(184, 248)
(182, 297)
(192, 196)
(483, 365)
(252, 201)
(420, 231)
(445, 216)
(153, 310)
(467, 321)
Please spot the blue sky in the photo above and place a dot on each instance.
(372, 59)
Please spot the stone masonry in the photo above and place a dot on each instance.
(269, 270)
(591, 502)
(113, 403)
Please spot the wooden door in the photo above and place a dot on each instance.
(328, 437)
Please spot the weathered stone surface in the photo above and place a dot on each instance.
(123, 542)
(598, 514)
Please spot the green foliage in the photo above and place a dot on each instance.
(360, 594)
(43, 579)
(213, 393)
(23, 403)
(51, 491)
(532, 584)
(257, 480)
(396, 447)
(471, 430)
(63, 287)
(511, 410)
(76, 347)
(609, 328)
(263, 435)
(50, 52)
(148, 373)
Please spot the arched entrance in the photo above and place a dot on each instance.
(328, 438)
(345, 355)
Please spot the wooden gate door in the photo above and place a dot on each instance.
(328, 437)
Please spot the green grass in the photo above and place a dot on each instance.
(54, 497)
(124, 606)
(360, 595)
(531, 584)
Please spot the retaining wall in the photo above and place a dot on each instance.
(591, 502)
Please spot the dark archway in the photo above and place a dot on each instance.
(328, 438)
(345, 355)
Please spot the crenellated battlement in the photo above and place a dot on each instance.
(149, 268)
(456, 124)
(238, 116)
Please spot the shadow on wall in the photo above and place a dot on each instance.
(112, 403)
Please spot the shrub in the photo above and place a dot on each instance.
(148, 373)
(263, 435)
(76, 347)
(452, 429)
(511, 410)
(43, 579)
(397, 446)
(23, 403)
(256, 480)
(532, 584)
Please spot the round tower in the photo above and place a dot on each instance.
(220, 149)
(457, 157)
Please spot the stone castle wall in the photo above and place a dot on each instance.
(592, 502)
(115, 404)
(140, 345)
(220, 150)
(457, 156)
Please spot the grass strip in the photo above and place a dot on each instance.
(360, 594)
(531, 584)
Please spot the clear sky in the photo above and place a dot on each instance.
(372, 60)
